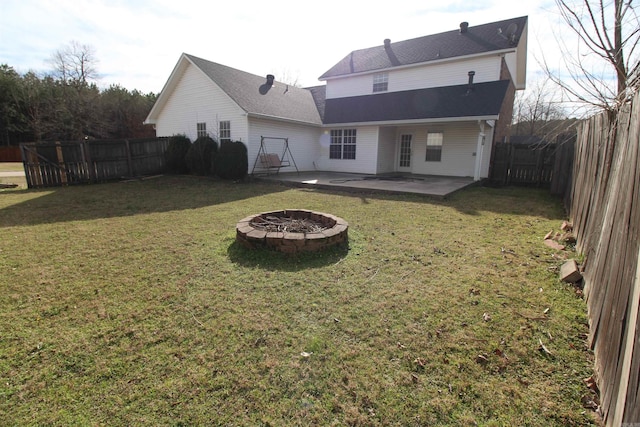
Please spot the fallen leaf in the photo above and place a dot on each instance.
(486, 317)
(305, 354)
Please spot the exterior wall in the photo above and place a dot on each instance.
(430, 75)
(503, 126)
(366, 153)
(304, 142)
(458, 149)
(196, 99)
(386, 150)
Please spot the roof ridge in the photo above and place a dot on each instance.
(482, 38)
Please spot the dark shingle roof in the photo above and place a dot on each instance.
(319, 94)
(433, 103)
(252, 94)
(476, 40)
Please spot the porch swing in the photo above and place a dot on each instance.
(269, 162)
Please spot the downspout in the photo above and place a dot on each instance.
(479, 150)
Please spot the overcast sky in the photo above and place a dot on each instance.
(138, 42)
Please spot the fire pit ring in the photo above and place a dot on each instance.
(292, 231)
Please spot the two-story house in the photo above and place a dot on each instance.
(433, 105)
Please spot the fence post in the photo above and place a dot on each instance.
(129, 159)
(86, 158)
(62, 170)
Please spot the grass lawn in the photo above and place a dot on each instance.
(11, 166)
(20, 181)
(131, 303)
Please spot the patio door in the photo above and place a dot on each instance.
(405, 153)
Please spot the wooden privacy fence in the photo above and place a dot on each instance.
(54, 164)
(605, 210)
(540, 166)
(10, 153)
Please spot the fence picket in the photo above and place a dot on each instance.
(605, 210)
(57, 164)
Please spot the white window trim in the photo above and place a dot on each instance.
(434, 147)
(380, 82)
(225, 131)
(201, 129)
(343, 138)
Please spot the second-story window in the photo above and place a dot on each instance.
(380, 82)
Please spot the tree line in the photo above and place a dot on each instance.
(66, 104)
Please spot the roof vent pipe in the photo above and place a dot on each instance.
(387, 43)
(270, 78)
(464, 26)
(470, 87)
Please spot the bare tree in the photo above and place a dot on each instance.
(75, 63)
(535, 107)
(610, 32)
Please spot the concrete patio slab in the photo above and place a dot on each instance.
(435, 186)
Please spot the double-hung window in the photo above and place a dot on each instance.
(201, 129)
(380, 82)
(343, 144)
(434, 146)
(225, 131)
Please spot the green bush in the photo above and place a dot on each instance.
(232, 160)
(201, 156)
(175, 155)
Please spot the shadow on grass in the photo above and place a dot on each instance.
(121, 199)
(276, 261)
(472, 200)
(177, 193)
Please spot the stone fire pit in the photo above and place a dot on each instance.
(292, 231)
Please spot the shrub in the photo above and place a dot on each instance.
(201, 156)
(175, 155)
(232, 160)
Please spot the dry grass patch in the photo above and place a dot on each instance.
(132, 304)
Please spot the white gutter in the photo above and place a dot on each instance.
(283, 119)
(413, 121)
(420, 64)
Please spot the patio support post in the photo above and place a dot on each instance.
(479, 150)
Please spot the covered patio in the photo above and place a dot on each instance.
(396, 183)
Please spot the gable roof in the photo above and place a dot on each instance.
(249, 91)
(449, 102)
(496, 36)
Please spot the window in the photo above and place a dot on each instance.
(405, 150)
(202, 129)
(225, 131)
(380, 82)
(343, 144)
(434, 146)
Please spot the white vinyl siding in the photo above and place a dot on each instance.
(366, 158)
(386, 150)
(196, 99)
(419, 77)
(304, 142)
(459, 145)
